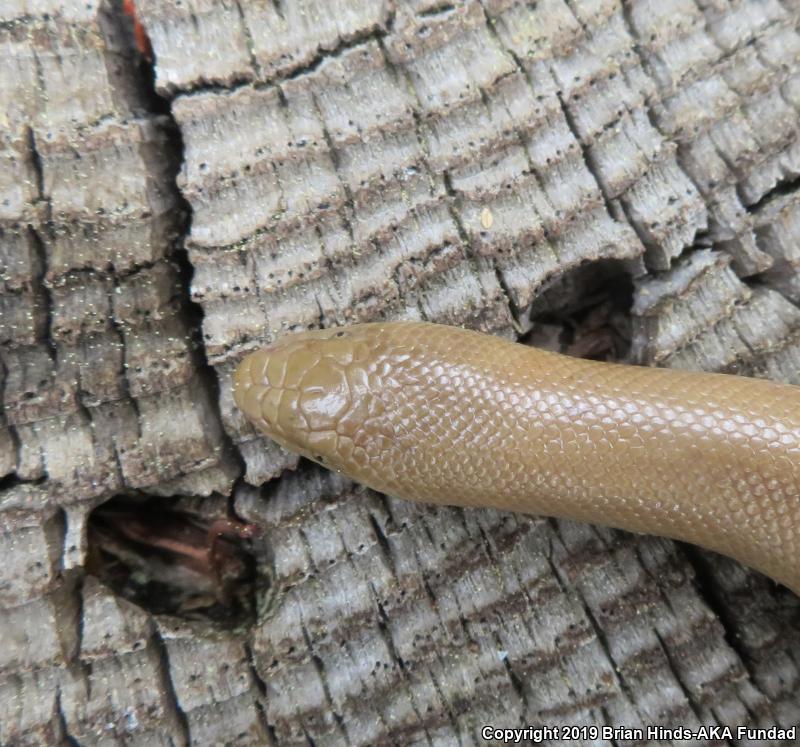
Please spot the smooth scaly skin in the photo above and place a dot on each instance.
(440, 414)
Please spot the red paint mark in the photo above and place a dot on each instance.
(139, 34)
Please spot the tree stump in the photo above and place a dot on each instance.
(615, 179)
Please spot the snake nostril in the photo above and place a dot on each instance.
(251, 401)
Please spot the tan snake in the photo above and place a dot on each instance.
(445, 415)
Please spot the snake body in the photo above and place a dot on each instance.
(445, 415)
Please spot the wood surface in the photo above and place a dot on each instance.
(281, 164)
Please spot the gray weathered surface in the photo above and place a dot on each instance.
(347, 161)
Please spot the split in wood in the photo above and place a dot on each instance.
(174, 562)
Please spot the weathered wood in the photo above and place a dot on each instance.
(102, 386)
(324, 163)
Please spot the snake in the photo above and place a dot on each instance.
(441, 414)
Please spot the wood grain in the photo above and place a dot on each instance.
(327, 163)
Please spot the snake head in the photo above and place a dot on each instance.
(314, 393)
